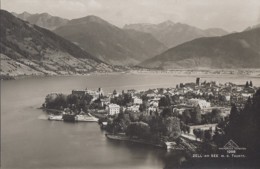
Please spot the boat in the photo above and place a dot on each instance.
(85, 118)
(172, 145)
(103, 125)
(69, 117)
(55, 117)
(121, 137)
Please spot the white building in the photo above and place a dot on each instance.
(134, 108)
(113, 109)
(227, 97)
(137, 100)
(246, 95)
(153, 103)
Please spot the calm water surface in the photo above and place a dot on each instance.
(28, 140)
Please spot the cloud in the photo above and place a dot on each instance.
(94, 4)
(228, 14)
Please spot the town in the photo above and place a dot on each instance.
(160, 116)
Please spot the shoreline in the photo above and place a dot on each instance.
(119, 137)
(252, 73)
(185, 144)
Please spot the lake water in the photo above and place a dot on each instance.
(28, 140)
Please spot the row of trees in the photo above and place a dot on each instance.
(145, 126)
(205, 135)
(191, 116)
(250, 84)
(61, 101)
(194, 116)
(242, 126)
(123, 99)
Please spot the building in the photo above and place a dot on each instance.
(134, 108)
(105, 101)
(203, 127)
(199, 102)
(198, 81)
(79, 93)
(113, 109)
(100, 91)
(154, 102)
(131, 92)
(94, 94)
(137, 100)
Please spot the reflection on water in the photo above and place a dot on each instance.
(28, 140)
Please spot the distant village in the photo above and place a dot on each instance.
(205, 96)
(198, 105)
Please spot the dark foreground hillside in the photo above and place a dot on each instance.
(30, 50)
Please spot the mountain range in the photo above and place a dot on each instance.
(43, 20)
(27, 49)
(131, 45)
(110, 43)
(172, 34)
(93, 44)
(237, 50)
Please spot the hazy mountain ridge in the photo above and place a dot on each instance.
(252, 27)
(172, 34)
(27, 49)
(238, 50)
(43, 20)
(110, 43)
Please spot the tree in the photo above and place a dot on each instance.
(243, 126)
(186, 116)
(165, 101)
(196, 115)
(143, 107)
(247, 85)
(127, 98)
(233, 113)
(50, 100)
(208, 135)
(88, 98)
(56, 101)
(114, 92)
(138, 129)
(72, 99)
(251, 84)
(184, 127)
(216, 116)
(198, 133)
(156, 125)
(167, 112)
(122, 120)
(172, 127)
(144, 118)
(133, 116)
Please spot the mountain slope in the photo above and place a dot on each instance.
(43, 20)
(238, 50)
(108, 42)
(28, 49)
(252, 27)
(172, 34)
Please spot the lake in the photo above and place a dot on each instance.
(28, 140)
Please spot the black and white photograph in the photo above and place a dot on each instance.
(130, 84)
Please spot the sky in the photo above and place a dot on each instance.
(232, 15)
